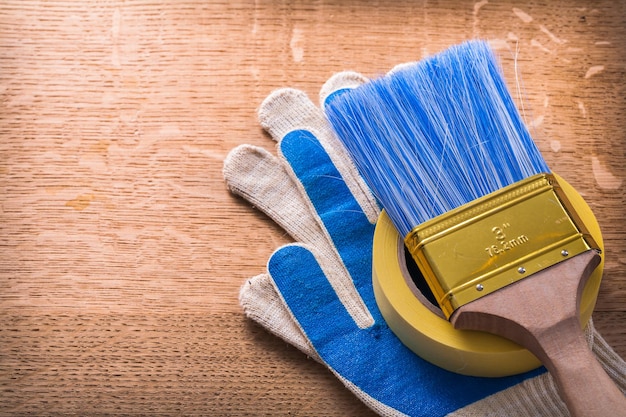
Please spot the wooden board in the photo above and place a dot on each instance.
(121, 250)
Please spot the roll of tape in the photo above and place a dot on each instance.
(421, 326)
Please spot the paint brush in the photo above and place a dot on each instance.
(445, 150)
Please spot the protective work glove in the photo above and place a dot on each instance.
(318, 292)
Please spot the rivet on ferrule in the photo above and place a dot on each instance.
(564, 252)
(521, 270)
(479, 287)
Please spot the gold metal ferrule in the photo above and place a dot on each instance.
(496, 240)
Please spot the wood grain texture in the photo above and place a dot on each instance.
(121, 250)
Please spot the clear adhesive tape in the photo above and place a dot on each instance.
(421, 325)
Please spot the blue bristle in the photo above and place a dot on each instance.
(435, 135)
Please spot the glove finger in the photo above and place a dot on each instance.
(341, 81)
(288, 110)
(313, 302)
(345, 223)
(261, 178)
(261, 303)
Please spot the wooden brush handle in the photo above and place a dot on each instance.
(541, 314)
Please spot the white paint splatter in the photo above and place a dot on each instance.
(255, 72)
(115, 34)
(108, 98)
(526, 18)
(477, 7)
(583, 110)
(115, 28)
(604, 178)
(297, 51)
(537, 121)
(546, 101)
(602, 43)
(169, 130)
(499, 44)
(551, 35)
(255, 22)
(539, 45)
(115, 57)
(193, 150)
(512, 37)
(555, 145)
(594, 70)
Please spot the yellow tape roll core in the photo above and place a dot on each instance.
(421, 326)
